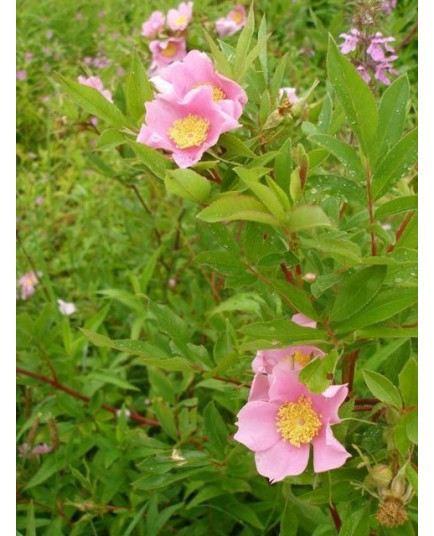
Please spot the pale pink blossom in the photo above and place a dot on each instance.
(232, 23)
(96, 83)
(21, 75)
(166, 52)
(154, 24)
(387, 6)
(385, 67)
(364, 73)
(351, 41)
(298, 356)
(39, 200)
(197, 70)
(28, 283)
(309, 277)
(66, 308)
(179, 19)
(284, 419)
(185, 128)
(172, 282)
(28, 56)
(26, 451)
(379, 45)
(120, 71)
(289, 93)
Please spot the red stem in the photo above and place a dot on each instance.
(335, 516)
(400, 230)
(288, 274)
(61, 387)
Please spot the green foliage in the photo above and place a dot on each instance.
(181, 275)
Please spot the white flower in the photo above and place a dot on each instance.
(66, 308)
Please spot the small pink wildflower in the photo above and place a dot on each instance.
(21, 75)
(154, 24)
(185, 128)
(101, 14)
(26, 451)
(289, 93)
(387, 6)
(377, 45)
(179, 19)
(28, 283)
(66, 308)
(197, 70)
(49, 34)
(96, 83)
(280, 425)
(351, 41)
(120, 71)
(28, 56)
(232, 23)
(166, 52)
(39, 200)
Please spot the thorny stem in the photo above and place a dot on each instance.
(400, 230)
(371, 210)
(61, 387)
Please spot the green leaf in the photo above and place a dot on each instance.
(356, 524)
(254, 53)
(391, 114)
(109, 139)
(332, 247)
(412, 476)
(316, 374)
(222, 64)
(408, 383)
(215, 428)
(345, 153)
(139, 89)
(288, 520)
(299, 299)
(283, 332)
(346, 189)
(94, 103)
(411, 426)
(153, 160)
(206, 493)
(355, 97)
(187, 184)
(357, 291)
(306, 217)
(395, 164)
(30, 522)
(279, 73)
(106, 377)
(396, 206)
(96, 338)
(283, 165)
(237, 207)
(235, 147)
(386, 304)
(382, 388)
(264, 193)
(243, 45)
(166, 417)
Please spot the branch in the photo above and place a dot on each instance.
(61, 387)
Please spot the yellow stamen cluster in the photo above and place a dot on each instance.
(170, 50)
(300, 358)
(182, 19)
(190, 131)
(297, 422)
(237, 17)
(217, 93)
(391, 513)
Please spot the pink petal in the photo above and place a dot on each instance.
(303, 320)
(259, 388)
(328, 453)
(257, 425)
(327, 403)
(285, 386)
(282, 460)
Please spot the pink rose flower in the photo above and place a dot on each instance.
(178, 19)
(280, 426)
(166, 52)
(97, 84)
(196, 70)
(232, 23)
(185, 128)
(154, 24)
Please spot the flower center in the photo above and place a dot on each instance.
(237, 17)
(189, 131)
(182, 19)
(300, 358)
(170, 50)
(217, 93)
(297, 422)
